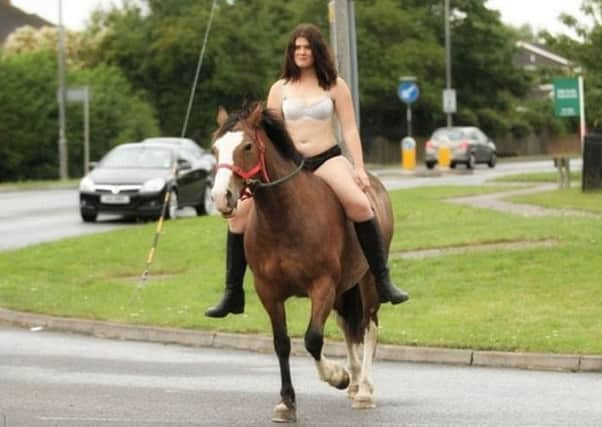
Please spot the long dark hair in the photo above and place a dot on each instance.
(323, 62)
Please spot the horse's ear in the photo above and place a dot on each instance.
(255, 116)
(222, 116)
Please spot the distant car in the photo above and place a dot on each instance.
(468, 145)
(132, 179)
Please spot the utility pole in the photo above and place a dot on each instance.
(448, 76)
(62, 143)
(341, 14)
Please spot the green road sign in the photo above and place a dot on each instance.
(566, 97)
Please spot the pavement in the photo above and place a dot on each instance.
(264, 344)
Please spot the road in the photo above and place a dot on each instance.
(53, 379)
(31, 217)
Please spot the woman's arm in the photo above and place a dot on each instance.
(275, 98)
(344, 109)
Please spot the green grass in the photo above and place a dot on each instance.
(572, 198)
(537, 299)
(540, 177)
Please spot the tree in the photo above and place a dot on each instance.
(29, 111)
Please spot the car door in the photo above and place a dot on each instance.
(185, 178)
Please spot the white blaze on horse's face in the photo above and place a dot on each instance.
(225, 191)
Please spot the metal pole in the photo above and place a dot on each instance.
(197, 73)
(63, 174)
(448, 74)
(86, 130)
(582, 129)
(343, 40)
(409, 118)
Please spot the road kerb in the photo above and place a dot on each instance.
(264, 344)
(540, 361)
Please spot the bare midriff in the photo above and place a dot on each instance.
(311, 136)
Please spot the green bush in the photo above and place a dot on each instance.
(29, 115)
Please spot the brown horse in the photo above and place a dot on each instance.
(298, 242)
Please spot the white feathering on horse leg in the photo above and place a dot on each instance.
(332, 373)
(364, 398)
(353, 362)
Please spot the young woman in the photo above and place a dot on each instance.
(307, 96)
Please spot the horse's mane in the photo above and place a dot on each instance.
(272, 125)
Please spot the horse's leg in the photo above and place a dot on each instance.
(322, 296)
(365, 395)
(353, 361)
(285, 411)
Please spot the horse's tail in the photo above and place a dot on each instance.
(351, 311)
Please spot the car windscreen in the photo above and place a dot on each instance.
(450, 134)
(138, 158)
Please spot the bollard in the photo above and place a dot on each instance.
(444, 155)
(408, 153)
(564, 171)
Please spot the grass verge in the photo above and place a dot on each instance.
(532, 299)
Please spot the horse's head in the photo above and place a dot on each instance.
(240, 151)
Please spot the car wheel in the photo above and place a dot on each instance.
(88, 216)
(172, 205)
(206, 207)
(430, 165)
(492, 161)
(471, 162)
(452, 165)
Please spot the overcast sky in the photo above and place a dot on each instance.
(539, 13)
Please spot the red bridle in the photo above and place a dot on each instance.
(248, 175)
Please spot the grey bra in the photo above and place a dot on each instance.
(294, 109)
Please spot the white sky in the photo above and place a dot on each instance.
(539, 13)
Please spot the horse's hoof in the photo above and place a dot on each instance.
(363, 402)
(352, 391)
(284, 414)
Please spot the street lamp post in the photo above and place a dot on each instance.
(448, 75)
(62, 143)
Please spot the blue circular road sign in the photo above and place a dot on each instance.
(408, 92)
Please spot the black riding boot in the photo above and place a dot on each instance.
(371, 241)
(233, 300)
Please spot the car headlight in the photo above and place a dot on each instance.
(86, 185)
(153, 185)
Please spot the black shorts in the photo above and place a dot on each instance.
(314, 162)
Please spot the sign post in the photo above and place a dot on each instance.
(408, 92)
(82, 94)
(569, 101)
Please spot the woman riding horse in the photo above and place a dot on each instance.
(308, 95)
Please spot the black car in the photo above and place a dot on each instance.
(132, 180)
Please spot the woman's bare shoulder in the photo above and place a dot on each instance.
(339, 88)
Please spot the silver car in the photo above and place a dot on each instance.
(468, 145)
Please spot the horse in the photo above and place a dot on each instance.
(298, 242)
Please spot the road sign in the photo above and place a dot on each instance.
(77, 94)
(408, 92)
(566, 97)
(449, 101)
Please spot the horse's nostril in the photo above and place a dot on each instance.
(229, 197)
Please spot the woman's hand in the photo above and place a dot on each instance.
(361, 178)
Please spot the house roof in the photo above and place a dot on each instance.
(12, 18)
(541, 50)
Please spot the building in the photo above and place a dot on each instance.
(532, 56)
(12, 18)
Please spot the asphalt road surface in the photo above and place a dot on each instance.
(31, 217)
(53, 379)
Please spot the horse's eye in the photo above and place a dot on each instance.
(248, 147)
